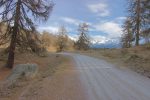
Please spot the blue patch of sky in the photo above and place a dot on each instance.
(78, 9)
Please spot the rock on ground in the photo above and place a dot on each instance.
(23, 71)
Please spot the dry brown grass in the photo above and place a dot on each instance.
(64, 85)
(137, 58)
(48, 65)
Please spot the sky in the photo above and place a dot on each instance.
(105, 18)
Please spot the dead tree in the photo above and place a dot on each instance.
(62, 39)
(137, 16)
(17, 15)
(146, 20)
(83, 43)
(127, 36)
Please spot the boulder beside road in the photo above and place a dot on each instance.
(20, 71)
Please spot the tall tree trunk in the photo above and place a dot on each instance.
(138, 22)
(10, 61)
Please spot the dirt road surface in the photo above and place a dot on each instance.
(103, 81)
(88, 78)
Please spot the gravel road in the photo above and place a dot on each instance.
(88, 78)
(103, 81)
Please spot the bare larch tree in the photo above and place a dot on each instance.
(83, 42)
(146, 21)
(62, 39)
(137, 14)
(127, 36)
(20, 15)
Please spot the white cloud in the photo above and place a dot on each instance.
(121, 18)
(99, 39)
(73, 37)
(101, 9)
(49, 29)
(112, 29)
(71, 20)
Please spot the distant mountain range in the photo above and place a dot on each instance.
(108, 44)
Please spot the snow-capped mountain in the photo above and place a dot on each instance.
(107, 44)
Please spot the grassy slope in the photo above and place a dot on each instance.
(137, 58)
